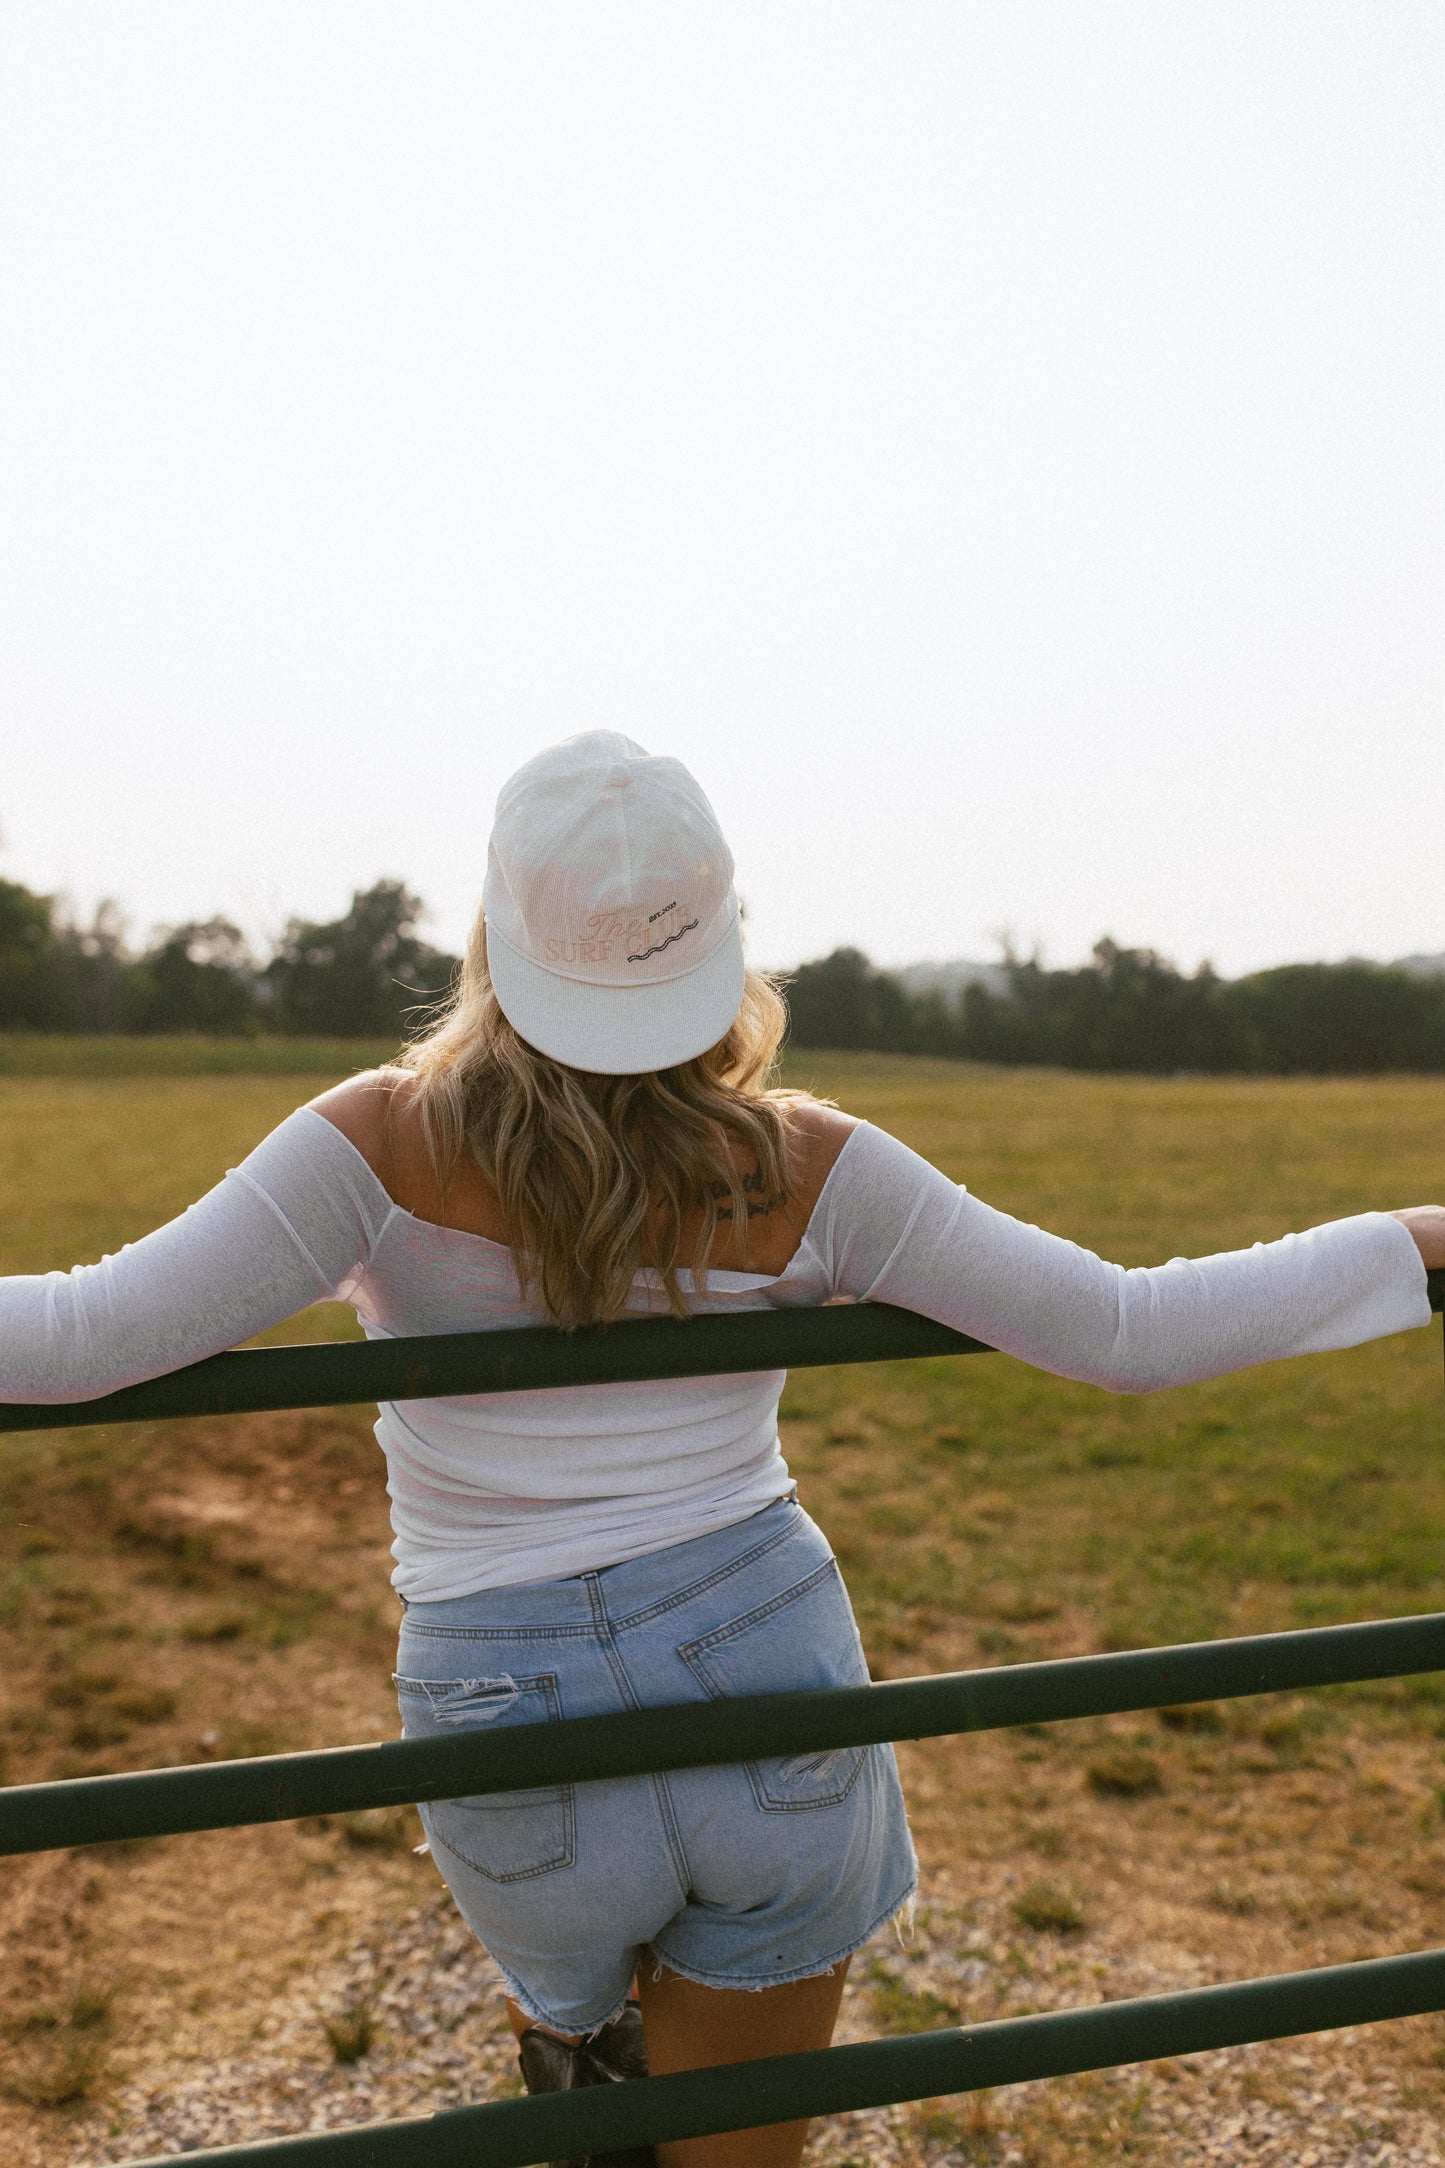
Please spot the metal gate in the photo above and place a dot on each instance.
(513, 2133)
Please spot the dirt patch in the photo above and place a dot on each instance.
(168, 1995)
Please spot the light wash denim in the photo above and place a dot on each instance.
(739, 1877)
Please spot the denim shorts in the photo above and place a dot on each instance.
(745, 1876)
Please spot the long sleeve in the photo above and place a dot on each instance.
(293, 1224)
(890, 1228)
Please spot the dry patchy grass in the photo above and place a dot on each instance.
(214, 1588)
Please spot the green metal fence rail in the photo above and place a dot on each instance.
(875, 2074)
(248, 1381)
(334, 1373)
(689, 1735)
(510, 2134)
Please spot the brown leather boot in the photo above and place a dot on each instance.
(550, 2065)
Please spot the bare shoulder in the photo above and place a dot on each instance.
(818, 1133)
(366, 1109)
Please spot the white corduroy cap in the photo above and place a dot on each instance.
(613, 934)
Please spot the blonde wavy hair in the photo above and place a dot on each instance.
(592, 1171)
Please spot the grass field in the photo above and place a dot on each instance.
(220, 1588)
(26, 1053)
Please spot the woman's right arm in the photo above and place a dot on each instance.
(289, 1227)
(891, 1228)
(1425, 1225)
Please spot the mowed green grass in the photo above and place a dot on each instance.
(977, 1490)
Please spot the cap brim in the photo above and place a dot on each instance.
(619, 1030)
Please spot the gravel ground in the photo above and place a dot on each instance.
(438, 2039)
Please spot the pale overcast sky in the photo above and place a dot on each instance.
(1001, 447)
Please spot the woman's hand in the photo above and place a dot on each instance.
(1426, 1223)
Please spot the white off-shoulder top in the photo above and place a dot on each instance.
(505, 1488)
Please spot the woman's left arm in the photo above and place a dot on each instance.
(283, 1230)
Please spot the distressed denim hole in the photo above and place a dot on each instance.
(506, 1836)
(462, 1701)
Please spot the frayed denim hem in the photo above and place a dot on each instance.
(531, 2008)
(901, 1905)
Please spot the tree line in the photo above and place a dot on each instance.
(369, 974)
(1129, 1009)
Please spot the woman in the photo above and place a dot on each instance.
(587, 1134)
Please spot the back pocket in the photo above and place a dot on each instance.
(804, 1637)
(506, 1836)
